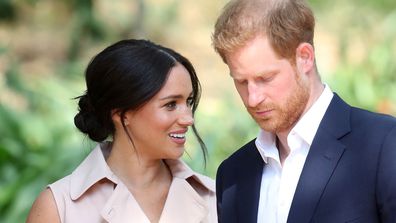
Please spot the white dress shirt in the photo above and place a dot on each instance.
(278, 183)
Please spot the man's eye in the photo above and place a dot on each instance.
(267, 79)
(241, 82)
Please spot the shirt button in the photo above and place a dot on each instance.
(111, 213)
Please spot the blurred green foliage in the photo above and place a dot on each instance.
(36, 145)
(45, 46)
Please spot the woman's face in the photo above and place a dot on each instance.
(158, 129)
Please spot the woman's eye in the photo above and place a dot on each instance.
(171, 105)
(190, 102)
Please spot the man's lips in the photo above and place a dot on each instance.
(263, 113)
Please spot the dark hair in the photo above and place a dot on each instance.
(125, 76)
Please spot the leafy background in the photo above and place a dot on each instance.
(45, 46)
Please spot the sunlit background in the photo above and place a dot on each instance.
(45, 46)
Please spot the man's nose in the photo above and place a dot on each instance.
(255, 95)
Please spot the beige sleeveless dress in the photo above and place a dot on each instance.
(92, 193)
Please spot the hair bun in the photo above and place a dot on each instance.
(87, 121)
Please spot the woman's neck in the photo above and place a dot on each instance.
(134, 170)
(148, 180)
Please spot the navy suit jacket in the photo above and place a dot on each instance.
(349, 174)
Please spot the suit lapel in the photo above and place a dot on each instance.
(248, 188)
(322, 159)
(319, 166)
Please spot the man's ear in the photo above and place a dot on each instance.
(305, 58)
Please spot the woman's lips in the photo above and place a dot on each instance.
(179, 137)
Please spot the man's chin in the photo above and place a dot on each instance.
(267, 125)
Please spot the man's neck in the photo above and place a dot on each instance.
(283, 148)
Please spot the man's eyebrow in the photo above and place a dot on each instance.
(258, 74)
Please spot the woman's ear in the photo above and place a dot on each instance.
(305, 58)
(116, 117)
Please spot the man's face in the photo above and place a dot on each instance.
(273, 91)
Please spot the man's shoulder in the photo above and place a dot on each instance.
(360, 117)
(372, 119)
(246, 153)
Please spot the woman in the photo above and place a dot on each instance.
(142, 97)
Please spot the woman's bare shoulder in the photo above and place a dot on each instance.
(44, 209)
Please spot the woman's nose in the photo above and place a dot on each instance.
(186, 118)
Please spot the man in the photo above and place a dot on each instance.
(315, 159)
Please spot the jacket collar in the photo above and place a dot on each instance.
(322, 160)
(94, 168)
(180, 170)
(182, 203)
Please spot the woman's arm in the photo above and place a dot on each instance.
(44, 209)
